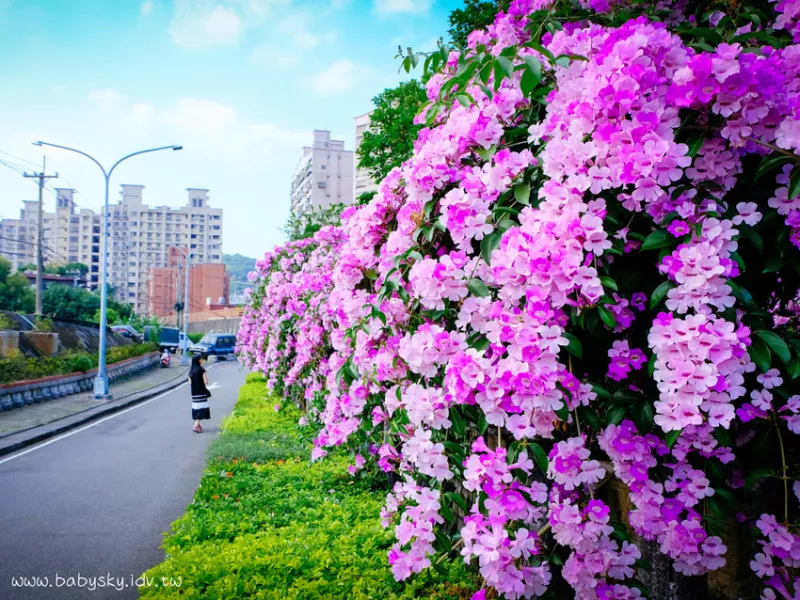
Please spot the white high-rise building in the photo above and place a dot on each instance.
(139, 237)
(324, 175)
(362, 182)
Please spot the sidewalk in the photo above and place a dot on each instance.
(27, 425)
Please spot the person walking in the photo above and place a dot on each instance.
(198, 380)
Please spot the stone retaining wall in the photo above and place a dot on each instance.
(14, 395)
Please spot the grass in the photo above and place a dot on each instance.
(267, 523)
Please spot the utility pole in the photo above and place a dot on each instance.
(185, 356)
(39, 234)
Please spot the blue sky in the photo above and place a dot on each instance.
(239, 83)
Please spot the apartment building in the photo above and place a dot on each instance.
(139, 238)
(362, 182)
(324, 175)
(68, 235)
(147, 233)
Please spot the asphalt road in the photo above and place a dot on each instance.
(94, 502)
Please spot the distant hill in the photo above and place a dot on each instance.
(239, 266)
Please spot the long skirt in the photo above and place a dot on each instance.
(200, 410)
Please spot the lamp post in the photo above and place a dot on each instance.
(101, 381)
(186, 255)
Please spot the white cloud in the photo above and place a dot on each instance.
(402, 6)
(268, 55)
(199, 23)
(146, 8)
(106, 100)
(216, 129)
(142, 114)
(296, 28)
(339, 77)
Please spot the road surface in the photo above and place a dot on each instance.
(94, 502)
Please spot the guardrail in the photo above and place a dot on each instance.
(15, 395)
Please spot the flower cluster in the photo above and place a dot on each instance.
(569, 282)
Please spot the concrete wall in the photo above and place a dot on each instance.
(216, 326)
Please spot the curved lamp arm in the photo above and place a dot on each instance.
(173, 147)
(90, 157)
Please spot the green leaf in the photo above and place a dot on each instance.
(615, 414)
(465, 99)
(695, 143)
(445, 511)
(457, 500)
(750, 234)
(459, 426)
(794, 370)
(776, 344)
(563, 412)
(794, 183)
(506, 65)
(543, 51)
(645, 416)
(534, 68)
(755, 476)
(741, 294)
(522, 193)
(609, 283)
(768, 163)
(539, 456)
(574, 347)
(378, 314)
(486, 153)
(432, 113)
(659, 293)
(760, 354)
(478, 287)
(672, 437)
(527, 84)
(505, 225)
(489, 244)
(607, 317)
(658, 239)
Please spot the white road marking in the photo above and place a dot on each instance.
(214, 386)
(69, 433)
(116, 414)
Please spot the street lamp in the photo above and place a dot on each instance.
(186, 255)
(101, 381)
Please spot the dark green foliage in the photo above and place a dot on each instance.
(391, 134)
(306, 225)
(15, 290)
(476, 14)
(238, 266)
(265, 523)
(19, 368)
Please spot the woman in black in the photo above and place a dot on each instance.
(198, 379)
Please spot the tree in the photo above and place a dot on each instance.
(307, 224)
(476, 14)
(391, 134)
(65, 302)
(238, 266)
(15, 290)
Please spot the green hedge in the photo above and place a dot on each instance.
(265, 523)
(19, 368)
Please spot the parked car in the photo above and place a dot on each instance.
(127, 331)
(215, 344)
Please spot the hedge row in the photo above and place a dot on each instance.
(265, 523)
(19, 368)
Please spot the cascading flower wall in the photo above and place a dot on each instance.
(584, 278)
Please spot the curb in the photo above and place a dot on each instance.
(101, 411)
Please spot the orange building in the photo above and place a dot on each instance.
(209, 284)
